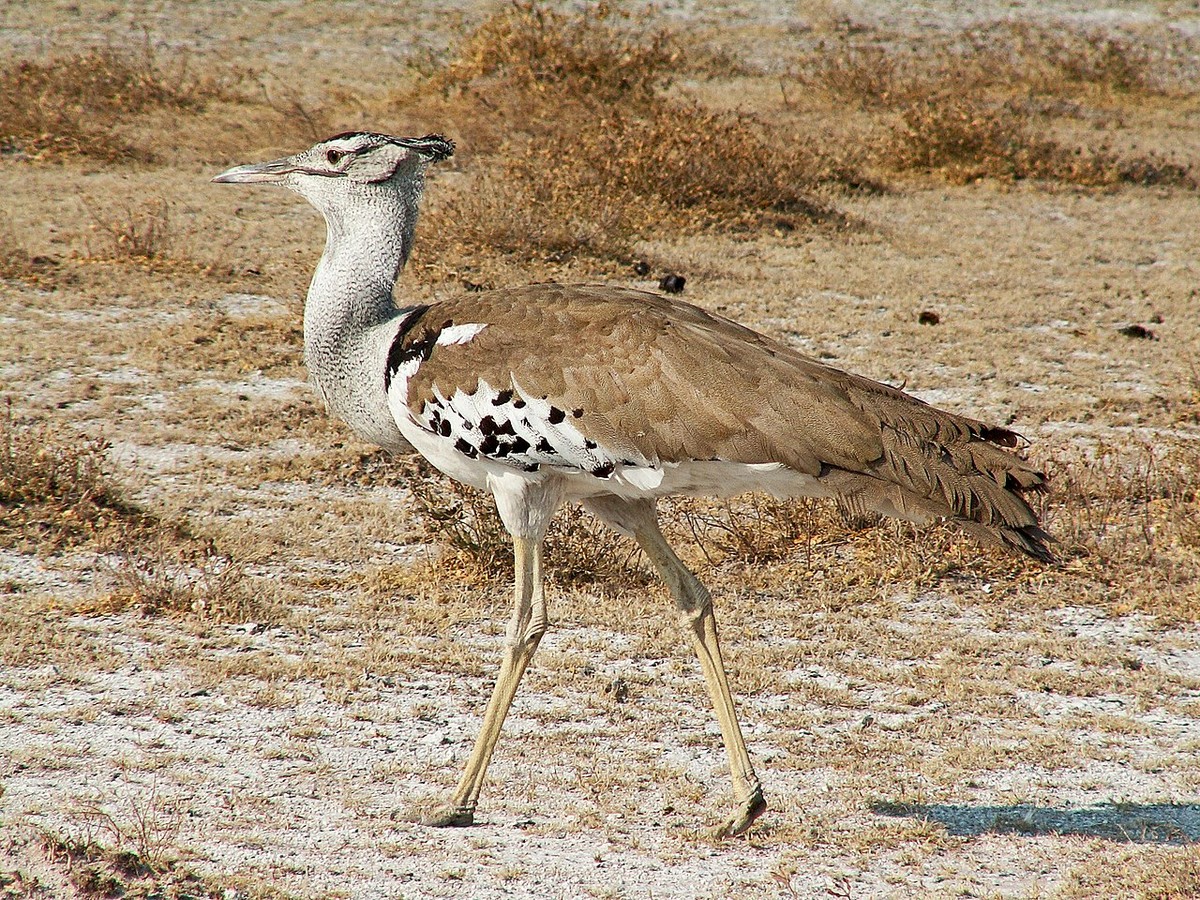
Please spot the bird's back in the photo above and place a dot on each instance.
(625, 390)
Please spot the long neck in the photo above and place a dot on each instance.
(366, 245)
(350, 304)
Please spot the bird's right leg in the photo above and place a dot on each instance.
(525, 630)
(638, 518)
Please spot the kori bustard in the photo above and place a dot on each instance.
(611, 397)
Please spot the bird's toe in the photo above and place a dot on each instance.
(743, 817)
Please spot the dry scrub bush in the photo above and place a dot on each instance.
(1128, 525)
(97, 870)
(1006, 59)
(137, 234)
(572, 149)
(579, 549)
(532, 48)
(77, 105)
(966, 138)
(18, 264)
(56, 493)
(54, 490)
(190, 579)
(969, 113)
(1052, 59)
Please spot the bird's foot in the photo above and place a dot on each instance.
(443, 815)
(743, 817)
(448, 815)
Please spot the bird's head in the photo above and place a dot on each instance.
(351, 158)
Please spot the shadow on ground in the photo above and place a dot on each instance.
(1163, 823)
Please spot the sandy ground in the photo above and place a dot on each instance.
(985, 737)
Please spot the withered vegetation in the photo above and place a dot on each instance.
(463, 521)
(576, 149)
(78, 104)
(1126, 524)
(56, 490)
(989, 104)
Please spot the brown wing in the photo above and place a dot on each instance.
(676, 383)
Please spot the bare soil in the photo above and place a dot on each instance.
(239, 689)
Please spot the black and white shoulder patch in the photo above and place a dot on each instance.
(407, 346)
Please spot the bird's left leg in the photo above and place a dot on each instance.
(639, 519)
(526, 511)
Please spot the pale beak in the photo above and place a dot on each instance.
(258, 173)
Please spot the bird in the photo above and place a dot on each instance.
(610, 397)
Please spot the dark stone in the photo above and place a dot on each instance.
(672, 283)
(1141, 332)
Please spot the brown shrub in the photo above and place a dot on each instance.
(130, 233)
(532, 48)
(965, 109)
(965, 137)
(595, 189)
(193, 579)
(579, 550)
(77, 105)
(55, 490)
(18, 264)
(1127, 520)
(1053, 59)
(572, 150)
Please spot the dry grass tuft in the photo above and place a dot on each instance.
(573, 150)
(579, 550)
(193, 580)
(967, 138)
(1051, 59)
(56, 490)
(78, 105)
(972, 110)
(18, 264)
(1128, 524)
(1148, 873)
(532, 48)
(132, 234)
(105, 862)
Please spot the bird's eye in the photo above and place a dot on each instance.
(334, 156)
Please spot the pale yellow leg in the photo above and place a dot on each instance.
(695, 607)
(525, 631)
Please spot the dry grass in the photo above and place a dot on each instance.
(1155, 873)
(966, 138)
(574, 150)
(579, 550)
(1127, 524)
(597, 55)
(18, 264)
(105, 862)
(79, 104)
(56, 491)
(193, 580)
(137, 234)
(1051, 60)
(978, 108)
